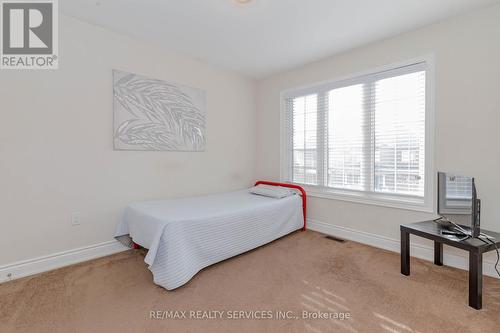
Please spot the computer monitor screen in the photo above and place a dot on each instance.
(455, 194)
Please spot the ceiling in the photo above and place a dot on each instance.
(265, 36)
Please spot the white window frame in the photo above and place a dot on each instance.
(426, 204)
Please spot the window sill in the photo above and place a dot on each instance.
(399, 202)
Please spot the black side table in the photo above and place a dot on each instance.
(476, 247)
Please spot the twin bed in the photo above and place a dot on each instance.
(186, 235)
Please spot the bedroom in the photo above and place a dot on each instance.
(73, 163)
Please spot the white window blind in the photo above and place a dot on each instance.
(305, 141)
(363, 135)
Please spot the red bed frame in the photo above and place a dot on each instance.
(265, 182)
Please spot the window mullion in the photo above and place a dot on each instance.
(289, 128)
(368, 162)
(322, 107)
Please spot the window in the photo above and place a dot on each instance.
(362, 138)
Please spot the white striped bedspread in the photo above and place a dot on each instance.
(185, 235)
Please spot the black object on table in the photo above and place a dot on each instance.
(476, 247)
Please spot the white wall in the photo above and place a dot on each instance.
(56, 142)
(467, 55)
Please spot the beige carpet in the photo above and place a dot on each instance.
(301, 272)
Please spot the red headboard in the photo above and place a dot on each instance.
(297, 187)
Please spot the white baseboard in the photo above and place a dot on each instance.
(416, 250)
(57, 260)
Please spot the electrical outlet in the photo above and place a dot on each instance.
(76, 218)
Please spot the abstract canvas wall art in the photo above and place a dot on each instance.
(151, 114)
